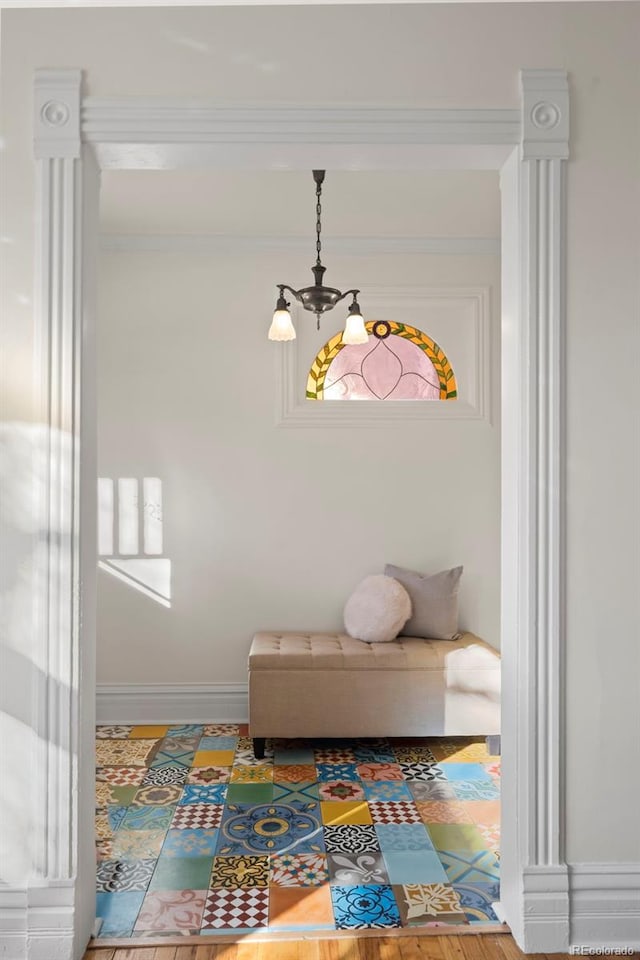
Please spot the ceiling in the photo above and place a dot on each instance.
(282, 203)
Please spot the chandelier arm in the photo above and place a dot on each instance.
(346, 294)
(285, 286)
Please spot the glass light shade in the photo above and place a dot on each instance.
(281, 326)
(355, 330)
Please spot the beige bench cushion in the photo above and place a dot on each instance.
(338, 651)
(330, 685)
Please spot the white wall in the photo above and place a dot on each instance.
(265, 527)
(433, 55)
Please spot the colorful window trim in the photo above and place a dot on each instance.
(319, 380)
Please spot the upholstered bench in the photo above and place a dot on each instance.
(330, 685)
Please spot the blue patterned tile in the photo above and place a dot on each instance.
(337, 771)
(365, 907)
(116, 816)
(414, 866)
(147, 818)
(383, 790)
(465, 771)
(163, 760)
(470, 866)
(218, 743)
(118, 912)
(475, 789)
(369, 755)
(403, 836)
(295, 792)
(203, 793)
(190, 843)
(270, 828)
(179, 744)
(476, 900)
(186, 730)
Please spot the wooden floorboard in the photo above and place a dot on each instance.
(451, 947)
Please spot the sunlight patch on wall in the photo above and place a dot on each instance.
(130, 535)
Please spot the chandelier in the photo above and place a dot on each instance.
(317, 298)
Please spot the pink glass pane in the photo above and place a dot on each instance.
(390, 369)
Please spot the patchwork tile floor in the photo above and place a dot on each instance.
(196, 836)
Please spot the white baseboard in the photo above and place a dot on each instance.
(13, 923)
(605, 905)
(545, 922)
(13, 944)
(588, 905)
(38, 923)
(172, 703)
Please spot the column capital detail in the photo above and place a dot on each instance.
(56, 108)
(545, 114)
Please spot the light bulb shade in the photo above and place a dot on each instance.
(281, 326)
(355, 330)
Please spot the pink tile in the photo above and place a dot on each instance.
(172, 910)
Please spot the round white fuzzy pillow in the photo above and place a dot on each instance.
(377, 610)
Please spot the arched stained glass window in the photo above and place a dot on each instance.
(398, 363)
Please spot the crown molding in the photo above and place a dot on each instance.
(348, 246)
(189, 121)
(156, 133)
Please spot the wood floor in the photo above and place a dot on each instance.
(485, 947)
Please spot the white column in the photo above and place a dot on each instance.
(544, 152)
(60, 913)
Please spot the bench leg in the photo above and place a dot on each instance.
(258, 747)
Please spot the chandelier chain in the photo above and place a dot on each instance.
(318, 221)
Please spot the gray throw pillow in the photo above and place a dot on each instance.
(434, 602)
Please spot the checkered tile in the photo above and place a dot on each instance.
(197, 815)
(237, 909)
(398, 811)
(121, 776)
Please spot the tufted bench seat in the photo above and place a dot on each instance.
(330, 685)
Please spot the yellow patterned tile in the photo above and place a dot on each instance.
(150, 733)
(253, 774)
(137, 844)
(103, 827)
(104, 849)
(425, 902)
(335, 813)
(213, 758)
(126, 753)
(461, 751)
(104, 795)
